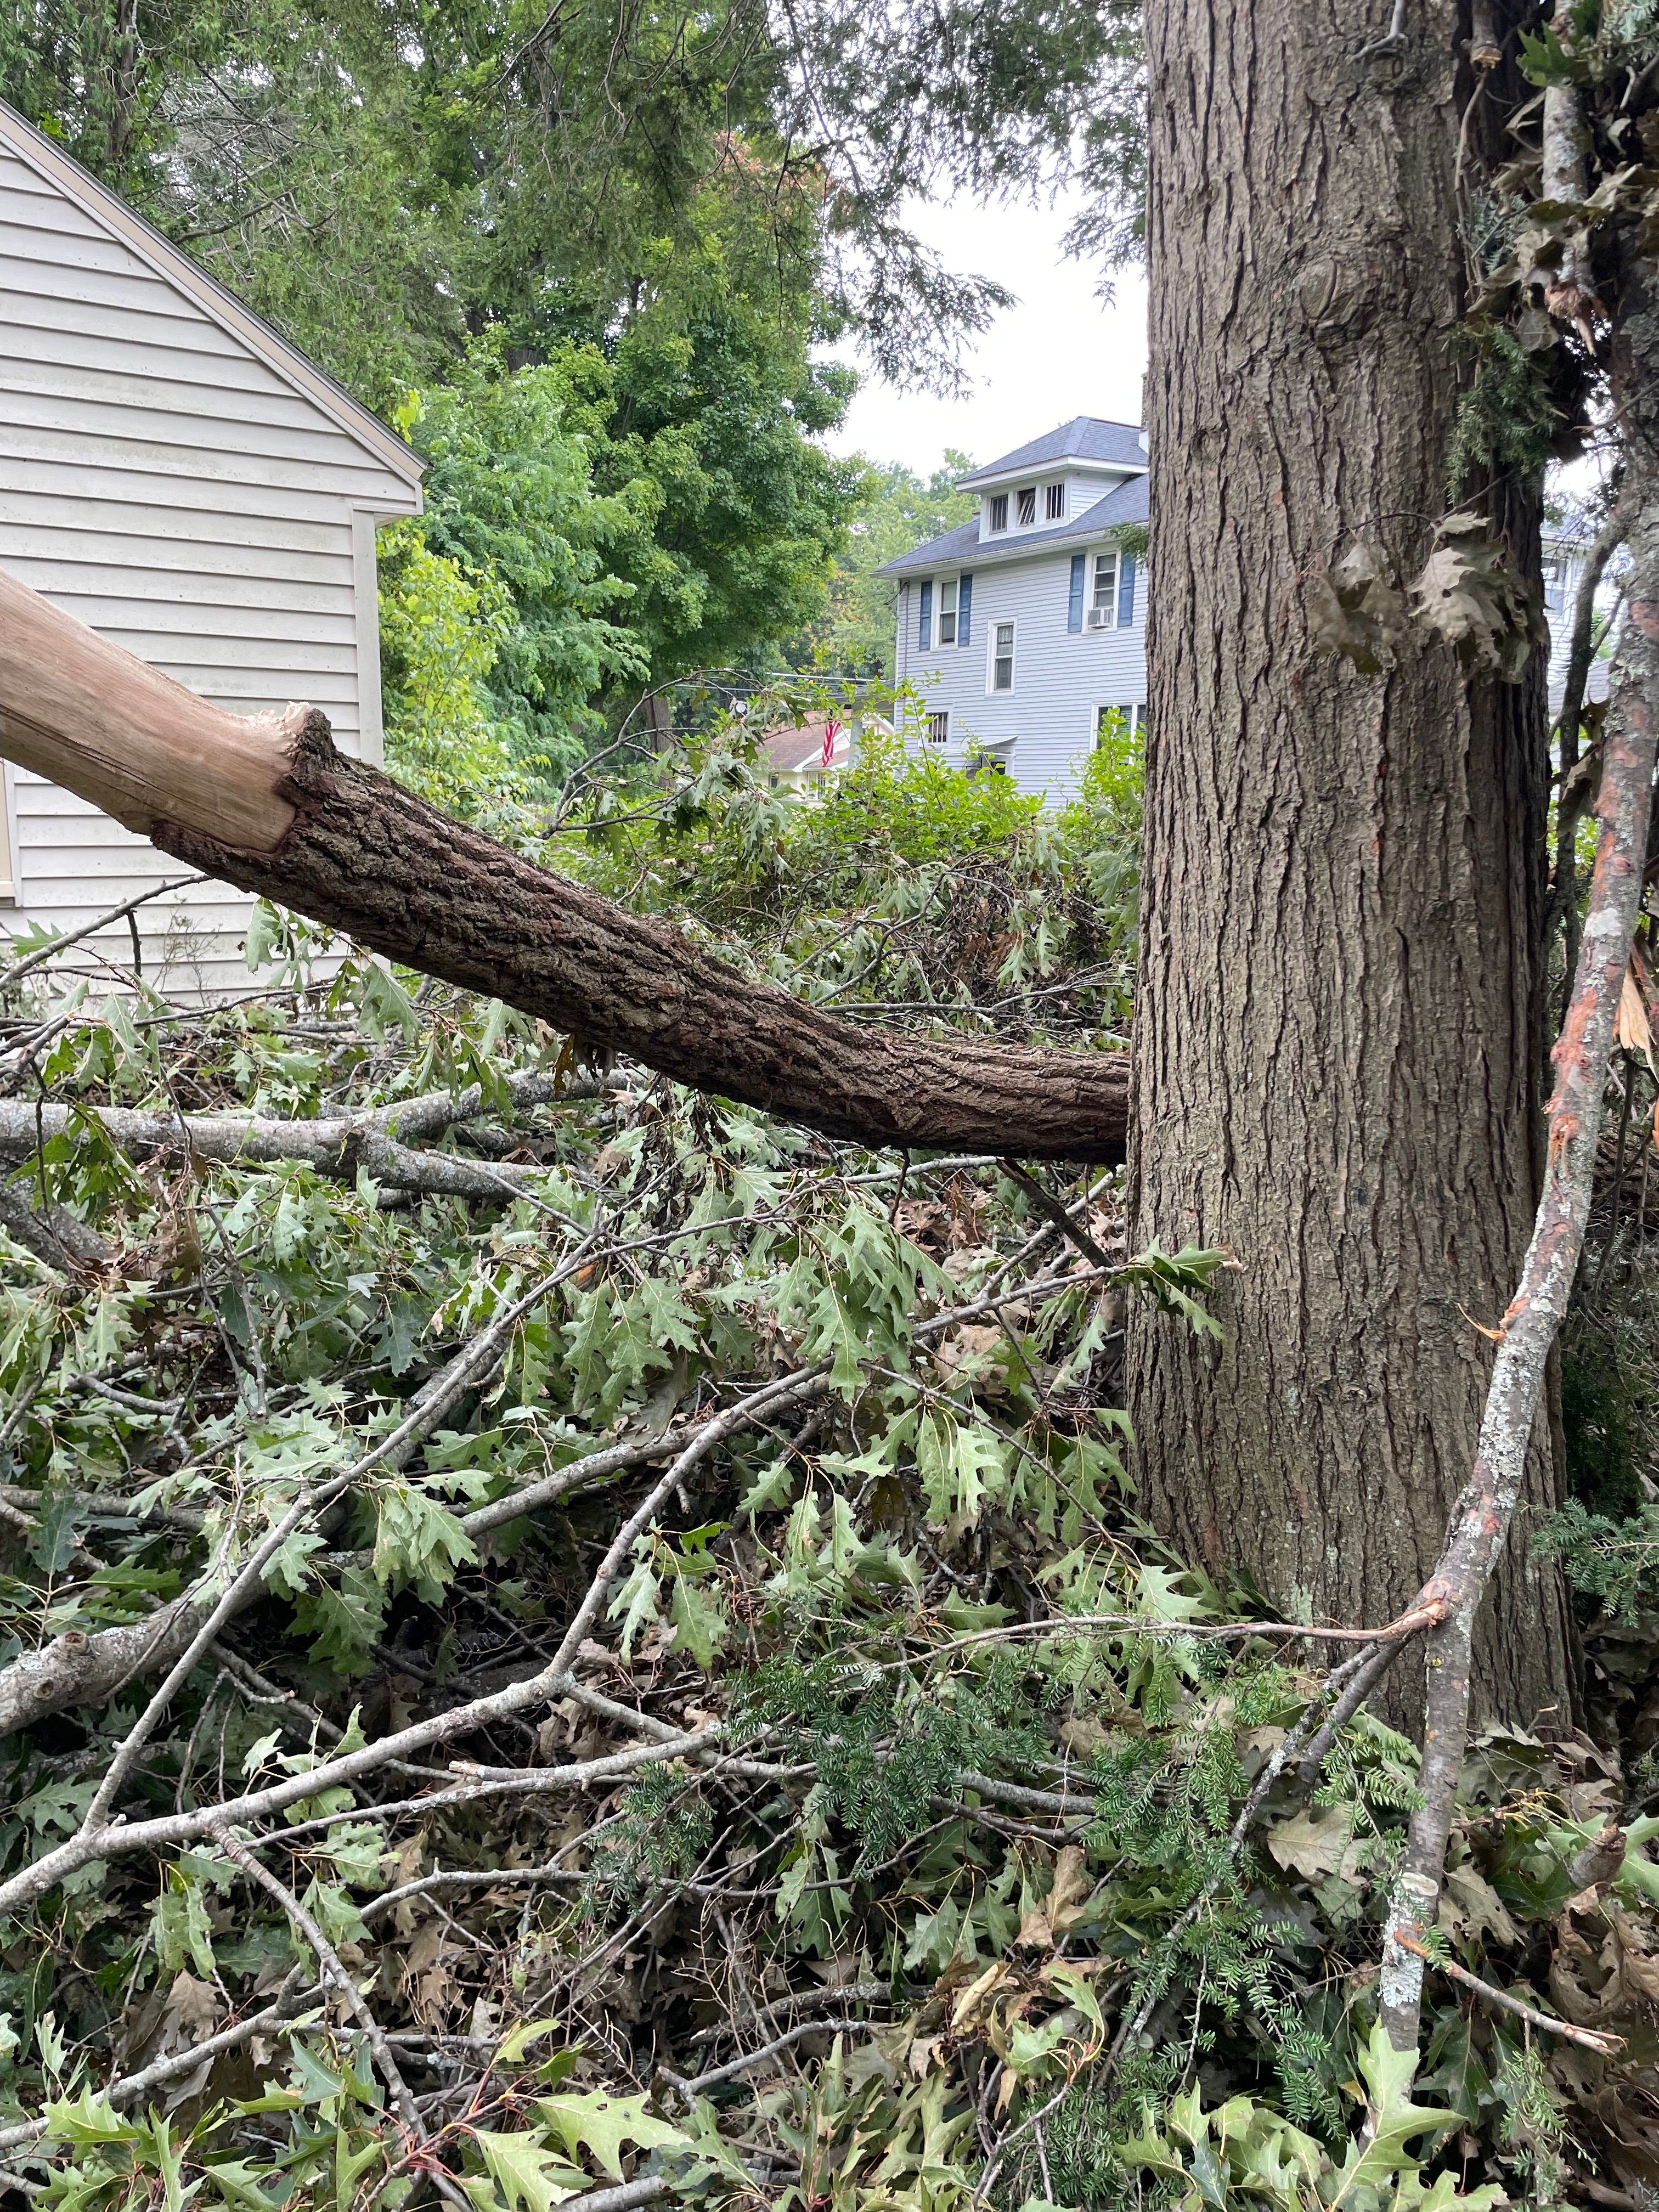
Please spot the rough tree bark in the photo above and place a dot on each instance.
(270, 805)
(1339, 1034)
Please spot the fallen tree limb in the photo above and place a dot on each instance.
(1480, 1520)
(269, 805)
(336, 1144)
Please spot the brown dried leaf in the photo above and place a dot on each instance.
(193, 2010)
(1354, 610)
(1063, 1907)
(427, 1981)
(1312, 1842)
(974, 1998)
(1632, 1971)
(1468, 595)
(1470, 1906)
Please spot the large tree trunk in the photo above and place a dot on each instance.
(270, 806)
(1337, 1034)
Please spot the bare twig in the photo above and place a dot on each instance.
(1046, 1203)
(733, 2068)
(19, 968)
(1606, 2045)
(333, 1970)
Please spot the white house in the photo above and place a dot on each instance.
(1020, 629)
(185, 481)
(1566, 552)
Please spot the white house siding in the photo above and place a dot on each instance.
(1061, 677)
(165, 485)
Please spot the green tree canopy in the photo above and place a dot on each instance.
(900, 510)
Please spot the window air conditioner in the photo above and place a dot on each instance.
(1100, 618)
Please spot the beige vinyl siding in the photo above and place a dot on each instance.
(164, 484)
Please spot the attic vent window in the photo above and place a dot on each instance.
(1027, 507)
(999, 511)
(939, 728)
(1056, 503)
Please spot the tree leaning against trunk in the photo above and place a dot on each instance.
(269, 805)
(1338, 1027)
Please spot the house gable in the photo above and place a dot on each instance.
(40, 169)
(174, 474)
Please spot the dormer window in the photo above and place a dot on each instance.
(1027, 500)
(999, 505)
(1056, 503)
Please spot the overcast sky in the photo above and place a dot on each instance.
(1061, 351)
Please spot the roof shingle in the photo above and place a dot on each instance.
(1085, 438)
(1124, 504)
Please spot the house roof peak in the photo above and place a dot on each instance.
(1091, 438)
(177, 268)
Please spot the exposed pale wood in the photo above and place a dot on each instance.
(75, 708)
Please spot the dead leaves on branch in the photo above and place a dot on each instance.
(1354, 611)
(1468, 596)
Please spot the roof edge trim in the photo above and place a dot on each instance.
(176, 268)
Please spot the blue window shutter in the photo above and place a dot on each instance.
(964, 611)
(1074, 612)
(1126, 591)
(925, 628)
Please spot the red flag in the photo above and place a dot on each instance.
(831, 732)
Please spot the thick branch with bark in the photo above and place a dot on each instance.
(272, 807)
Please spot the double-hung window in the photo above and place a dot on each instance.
(956, 610)
(1054, 503)
(998, 516)
(1002, 656)
(1104, 605)
(1027, 504)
